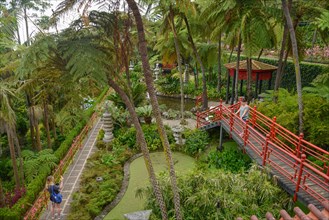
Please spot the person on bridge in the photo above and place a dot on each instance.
(244, 112)
(51, 187)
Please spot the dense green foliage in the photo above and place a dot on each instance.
(196, 142)
(316, 115)
(37, 181)
(94, 195)
(127, 137)
(229, 159)
(221, 195)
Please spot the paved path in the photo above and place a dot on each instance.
(74, 171)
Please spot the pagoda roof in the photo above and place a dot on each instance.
(256, 66)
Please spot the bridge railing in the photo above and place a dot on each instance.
(301, 162)
(316, 157)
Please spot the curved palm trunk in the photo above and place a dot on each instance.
(141, 140)
(26, 27)
(154, 102)
(13, 155)
(296, 63)
(19, 154)
(279, 71)
(195, 51)
(219, 61)
(249, 70)
(37, 132)
(179, 60)
(31, 119)
(235, 97)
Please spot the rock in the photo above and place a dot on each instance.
(140, 215)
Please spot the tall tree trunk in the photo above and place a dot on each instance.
(154, 102)
(26, 27)
(53, 125)
(2, 195)
(249, 72)
(237, 68)
(19, 154)
(296, 63)
(37, 132)
(279, 71)
(31, 119)
(196, 75)
(196, 54)
(46, 122)
(219, 61)
(13, 156)
(179, 60)
(143, 145)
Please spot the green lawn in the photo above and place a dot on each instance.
(139, 178)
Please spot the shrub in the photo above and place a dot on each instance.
(196, 141)
(230, 159)
(221, 195)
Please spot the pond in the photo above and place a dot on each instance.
(174, 103)
(139, 178)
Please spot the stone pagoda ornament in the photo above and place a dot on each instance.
(107, 125)
(178, 134)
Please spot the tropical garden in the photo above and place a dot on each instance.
(54, 79)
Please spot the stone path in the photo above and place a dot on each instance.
(74, 171)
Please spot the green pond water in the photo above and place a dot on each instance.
(174, 103)
(139, 178)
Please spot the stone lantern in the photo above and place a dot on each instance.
(177, 132)
(107, 125)
(156, 71)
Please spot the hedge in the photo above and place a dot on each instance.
(308, 72)
(37, 185)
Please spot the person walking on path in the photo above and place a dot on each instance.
(244, 112)
(51, 187)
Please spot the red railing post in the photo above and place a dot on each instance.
(245, 133)
(272, 129)
(299, 177)
(254, 116)
(265, 150)
(197, 119)
(231, 121)
(220, 109)
(60, 167)
(299, 151)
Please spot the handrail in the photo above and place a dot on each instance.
(278, 146)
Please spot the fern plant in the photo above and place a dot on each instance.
(38, 163)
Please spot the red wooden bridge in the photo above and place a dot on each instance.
(301, 168)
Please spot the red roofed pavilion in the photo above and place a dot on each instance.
(260, 71)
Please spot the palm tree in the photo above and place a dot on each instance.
(8, 120)
(296, 63)
(154, 102)
(143, 145)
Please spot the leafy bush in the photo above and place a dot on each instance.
(316, 115)
(168, 85)
(94, 195)
(230, 159)
(196, 141)
(221, 195)
(127, 137)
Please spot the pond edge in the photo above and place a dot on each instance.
(124, 186)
